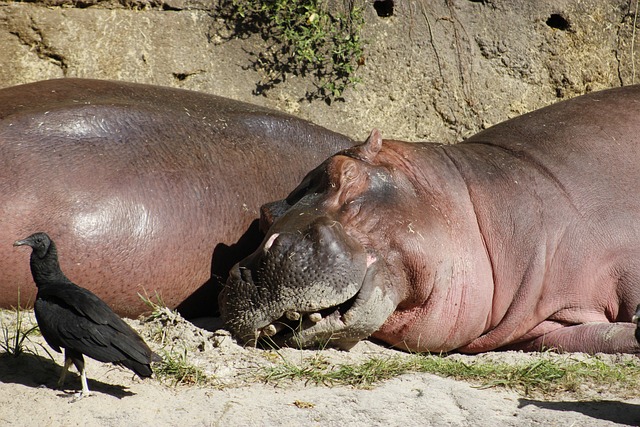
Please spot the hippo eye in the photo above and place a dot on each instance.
(310, 183)
(297, 194)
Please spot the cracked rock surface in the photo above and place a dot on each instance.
(438, 71)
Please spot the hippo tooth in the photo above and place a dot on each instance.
(292, 315)
(315, 317)
(370, 260)
(269, 330)
(270, 241)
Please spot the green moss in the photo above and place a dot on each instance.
(304, 39)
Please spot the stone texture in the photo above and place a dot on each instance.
(436, 71)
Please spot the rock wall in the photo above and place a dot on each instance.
(433, 70)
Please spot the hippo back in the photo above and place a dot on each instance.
(573, 136)
(139, 184)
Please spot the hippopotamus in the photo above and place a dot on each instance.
(524, 236)
(146, 190)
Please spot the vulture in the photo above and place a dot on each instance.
(76, 320)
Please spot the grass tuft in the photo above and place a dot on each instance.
(176, 369)
(541, 375)
(13, 337)
(175, 366)
(160, 314)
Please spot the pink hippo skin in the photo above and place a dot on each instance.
(525, 236)
(144, 189)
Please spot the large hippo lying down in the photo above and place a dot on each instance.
(525, 236)
(138, 185)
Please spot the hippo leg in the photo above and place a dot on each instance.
(588, 337)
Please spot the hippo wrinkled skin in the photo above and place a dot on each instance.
(145, 189)
(525, 236)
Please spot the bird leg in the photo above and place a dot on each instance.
(79, 362)
(63, 374)
(85, 387)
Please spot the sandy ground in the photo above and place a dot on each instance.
(234, 395)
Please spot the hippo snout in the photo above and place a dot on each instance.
(296, 279)
(323, 253)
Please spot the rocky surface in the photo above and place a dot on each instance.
(436, 71)
(432, 70)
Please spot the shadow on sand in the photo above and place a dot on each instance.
(35, 371)
(618, 412)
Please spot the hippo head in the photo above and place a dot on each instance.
(320, 276)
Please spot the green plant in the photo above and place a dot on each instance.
(543, 375)
(175, 365)
(13, 337)
(159, 309)
(156, 305)
(304, 39)
(176, 368)
(317, 370)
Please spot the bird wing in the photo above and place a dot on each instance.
(77, 319)
(46, 323)
(65, 328)
(82, 301)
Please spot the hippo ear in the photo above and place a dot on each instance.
(371, 147)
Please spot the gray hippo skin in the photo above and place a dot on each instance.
(144, 189)
(525, 236)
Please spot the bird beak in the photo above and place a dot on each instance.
(19, 243)
(634, 319)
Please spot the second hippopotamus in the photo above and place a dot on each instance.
(525, 236)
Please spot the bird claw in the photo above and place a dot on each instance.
(77, 396)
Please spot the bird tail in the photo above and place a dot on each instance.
(143, 370)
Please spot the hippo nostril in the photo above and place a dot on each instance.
(245, 274)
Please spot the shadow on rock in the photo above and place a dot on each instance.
(35, 371)
(618, 412)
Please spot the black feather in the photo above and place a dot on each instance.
(75, 319)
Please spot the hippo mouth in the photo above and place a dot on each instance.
(318, 327)
(277, 298)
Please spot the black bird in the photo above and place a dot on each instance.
(75, 319)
